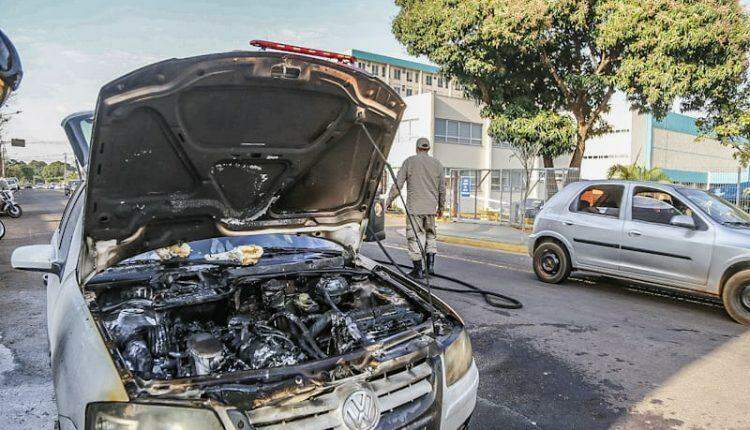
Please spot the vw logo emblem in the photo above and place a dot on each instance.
(361, 410)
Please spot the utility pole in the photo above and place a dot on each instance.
(2, 159)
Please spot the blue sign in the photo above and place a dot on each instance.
(465, 187)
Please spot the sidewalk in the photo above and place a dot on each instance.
(491, 236)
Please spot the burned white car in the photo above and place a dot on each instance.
(206, 274)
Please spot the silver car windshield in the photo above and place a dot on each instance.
(717, 208)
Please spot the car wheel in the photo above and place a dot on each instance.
(551, 263)
(2, 229)
(736, 297)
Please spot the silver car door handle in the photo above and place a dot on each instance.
(568, 222)
(635, 233)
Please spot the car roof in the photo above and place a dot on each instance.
(627, 182)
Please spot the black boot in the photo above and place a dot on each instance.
(431, 263)
(417, 271)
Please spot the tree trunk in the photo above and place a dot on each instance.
(550, 182)
(583, 131)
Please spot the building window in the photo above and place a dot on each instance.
(360, 65)
(496, 143)
(440, 82)
(396, 73)
(408, 92)
(382, 71)
(459, 132)
(408, 76)
(398, 89)
(406, 131)
(428, 79)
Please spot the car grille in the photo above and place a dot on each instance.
(396, 392)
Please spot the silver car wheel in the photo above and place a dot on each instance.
(745, 296)
(550, 263)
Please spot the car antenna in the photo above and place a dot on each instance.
(422, 252)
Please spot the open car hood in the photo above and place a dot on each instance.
(231, 144)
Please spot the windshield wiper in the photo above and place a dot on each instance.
(275, 250)
(744, 223)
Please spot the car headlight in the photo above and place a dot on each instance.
(139, 416)
(458, 358)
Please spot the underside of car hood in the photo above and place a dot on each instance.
(230, 144)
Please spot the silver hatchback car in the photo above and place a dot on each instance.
(666, 235)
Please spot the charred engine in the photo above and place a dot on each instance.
(189, 324)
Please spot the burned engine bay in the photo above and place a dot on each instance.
(183, 324)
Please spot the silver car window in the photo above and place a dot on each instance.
(604, 200)
(717, 208)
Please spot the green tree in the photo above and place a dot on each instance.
(37, 166)
(20, 170)
(545, 134)
(54, 171)
(633, 172)
(729, 122)
(520, 56)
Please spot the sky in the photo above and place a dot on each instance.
(70, 48)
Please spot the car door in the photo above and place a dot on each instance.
(655, 250)
(593, 224)
(61, 245)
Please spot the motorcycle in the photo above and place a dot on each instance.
(9, 205)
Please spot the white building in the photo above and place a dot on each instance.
(438, 109)
(671, 144)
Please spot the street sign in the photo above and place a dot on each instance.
(465, 186)
(18, 142)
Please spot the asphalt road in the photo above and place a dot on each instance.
(588, 354)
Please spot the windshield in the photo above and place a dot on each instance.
(717, 208)
(199, 249)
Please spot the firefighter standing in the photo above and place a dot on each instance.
(425, 188)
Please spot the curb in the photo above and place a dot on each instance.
(486, 244)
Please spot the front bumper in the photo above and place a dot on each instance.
(442, 407)
(459, 400)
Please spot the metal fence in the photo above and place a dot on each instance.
(732, 185)
(508, 196)
(503, 195)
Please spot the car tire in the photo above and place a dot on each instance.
(736, 297)
(551, 263)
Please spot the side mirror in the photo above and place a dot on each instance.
(376, 221)
(35, 258)
(684, 221)
(10, 68)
